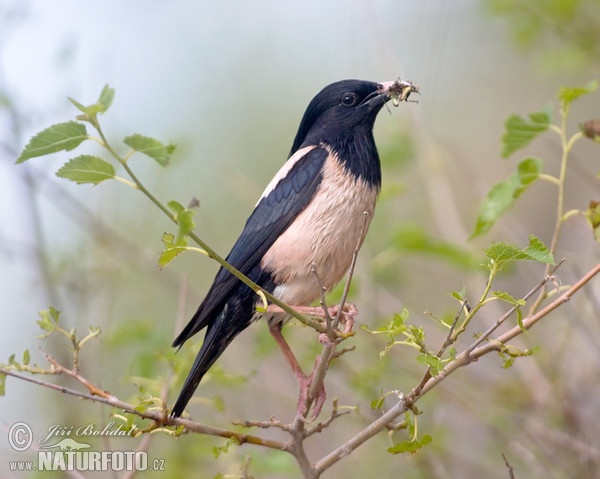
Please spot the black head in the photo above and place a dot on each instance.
(340, 109)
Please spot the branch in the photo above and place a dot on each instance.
(406, 402)
(158, 416)
(531, 320)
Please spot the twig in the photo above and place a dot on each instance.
(407, 401)
(158, 416)
(531, 320)
(506, 315)
(511, 473)
(74, 373)
(319, 427)
(447, 342)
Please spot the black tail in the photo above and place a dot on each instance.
(231, 321)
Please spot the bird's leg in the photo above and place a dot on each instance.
(275, 330)
(304, 381)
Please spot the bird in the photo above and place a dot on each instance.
(302, 234)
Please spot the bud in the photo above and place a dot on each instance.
(591, 129)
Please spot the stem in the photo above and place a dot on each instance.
(566, 144)
(488, 286)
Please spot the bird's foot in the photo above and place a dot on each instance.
(348, 312)
(347, 317)
(305, 402)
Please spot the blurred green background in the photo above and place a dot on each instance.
(228, 83)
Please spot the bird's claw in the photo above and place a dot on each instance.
(304, 403)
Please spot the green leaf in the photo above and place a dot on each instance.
(58, 137)
(536, 251)
(517, 303)
(106, 97)
(567, 95)
(171, 250)
(218, 450)
(410, 446)
(185, 222)
(2, 384)
(103, 104)
(26, 357)
(459, 295)
(87, 169)
(378, 403)
(394, 327)
(48, 321)
(503, 194)
(79, 106)
(593, 216)
(509, 353)
(435, 364)
(150, 147)
(519, 131)
(504, 296)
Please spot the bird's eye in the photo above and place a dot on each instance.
(349, 99)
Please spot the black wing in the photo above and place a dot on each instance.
(272, 216)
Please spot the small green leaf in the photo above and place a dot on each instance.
(509, 353)
(519, 131)
(394, 327)
(218, 450)
(185, 222)
(79, 106)
(435, 364)
(106, 97)
(520, 319)
(48, 321)
(459, 295)
(150, 147)
(168, 240)
(377, 403)
(504, 296)
(593, 216)
(2, 384)
(410, 446)
(103, 104)
(58, 137)
(169, 255)
(503, 194)
(87, 169)
(528, 170)
(567, 95)
(26, 357)
(536, 251)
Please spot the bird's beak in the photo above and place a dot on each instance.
(397, 90)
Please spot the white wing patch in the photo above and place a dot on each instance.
(284, 170)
